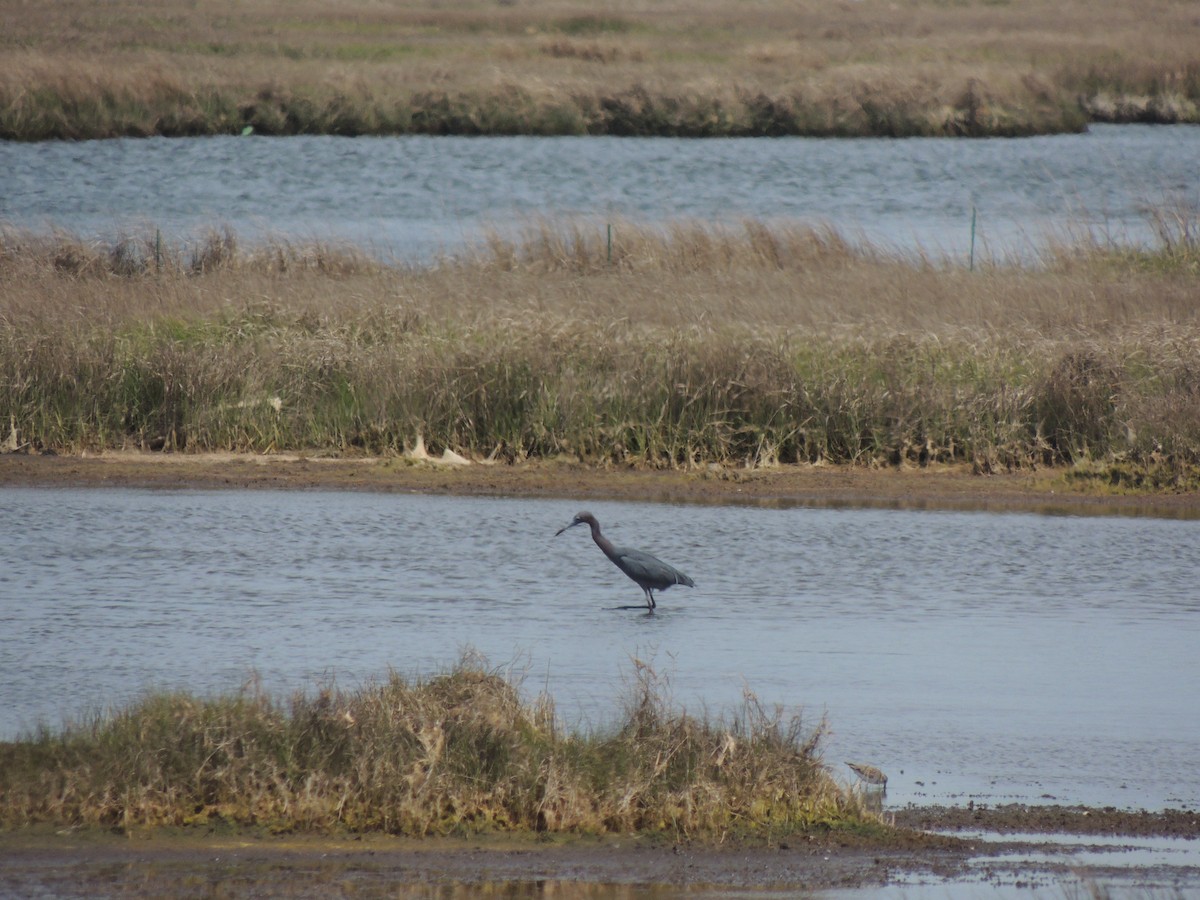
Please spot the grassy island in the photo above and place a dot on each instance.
(460, 753)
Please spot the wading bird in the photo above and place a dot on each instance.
(650, 572)
(869, 774)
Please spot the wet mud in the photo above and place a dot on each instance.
(309, 866)
(921, 848)
(1020, 818)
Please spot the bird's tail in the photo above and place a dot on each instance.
(683, 579)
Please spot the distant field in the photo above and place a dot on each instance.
(81, 69)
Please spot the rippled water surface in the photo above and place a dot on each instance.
(412, 197)
(981, 656)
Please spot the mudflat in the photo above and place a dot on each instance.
(194, 862)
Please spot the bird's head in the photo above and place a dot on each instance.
(583, 518)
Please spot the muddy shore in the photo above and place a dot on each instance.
(911, 487)
(181, 864)
(306, 866)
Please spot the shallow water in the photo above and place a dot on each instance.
(414, 197)
(971, 656)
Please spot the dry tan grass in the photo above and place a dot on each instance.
(460, 753)
(736, 346)
(919, 66)
(690, 276)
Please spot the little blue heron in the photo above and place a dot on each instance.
(650, 572)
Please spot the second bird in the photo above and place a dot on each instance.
(650, 572)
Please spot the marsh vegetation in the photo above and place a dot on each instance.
(682, 346)
(458, 753)
(73, 69)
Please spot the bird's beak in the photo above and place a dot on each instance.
(565, 527)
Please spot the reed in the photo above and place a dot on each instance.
(76, 70)
(684, 346)
(458, 753)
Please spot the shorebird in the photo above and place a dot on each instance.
(869, 774)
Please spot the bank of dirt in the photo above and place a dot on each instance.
(912, 487)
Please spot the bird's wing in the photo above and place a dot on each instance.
(643, 567)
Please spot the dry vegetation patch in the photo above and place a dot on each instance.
(458, 753)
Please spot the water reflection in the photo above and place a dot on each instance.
(969, 655)
(319, 875)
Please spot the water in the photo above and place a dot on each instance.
(971, 656)
(412, 198)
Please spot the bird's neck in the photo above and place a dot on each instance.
(602, 542)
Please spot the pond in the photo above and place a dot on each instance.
(973, 656)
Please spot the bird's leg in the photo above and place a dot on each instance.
(650, 604)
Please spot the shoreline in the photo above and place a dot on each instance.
(947, 845)
(942, 487)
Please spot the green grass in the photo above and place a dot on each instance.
(455, 754)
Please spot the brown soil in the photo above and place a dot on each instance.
(908, 487)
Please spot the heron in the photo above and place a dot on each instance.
(650, 572)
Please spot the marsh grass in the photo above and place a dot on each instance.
(74, 70)
(685, 345)
(457, 753)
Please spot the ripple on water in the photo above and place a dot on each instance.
(969, 655)
(416, 197)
